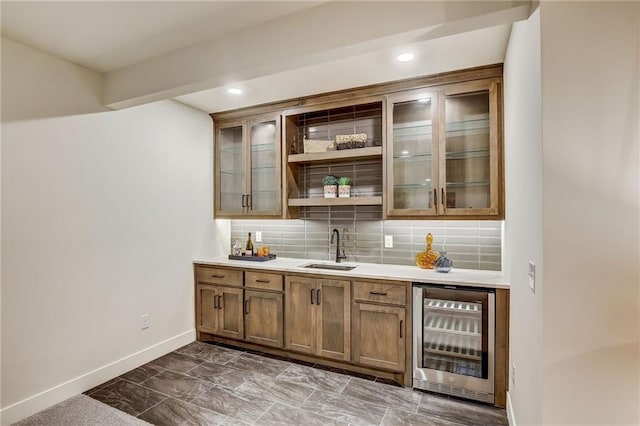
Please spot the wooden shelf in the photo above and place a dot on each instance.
(351, 201)
(347, 154)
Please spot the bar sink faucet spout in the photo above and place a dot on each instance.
(339, 256)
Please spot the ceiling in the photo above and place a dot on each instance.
(273, 50)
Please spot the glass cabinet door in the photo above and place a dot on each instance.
(469, 140)
(248, 167)
(455, 334)
(265, 185)
(230, 165)
(412, 164)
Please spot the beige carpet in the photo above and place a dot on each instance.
(81, 410)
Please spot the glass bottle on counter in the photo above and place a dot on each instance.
(249, 249)
(237, 249)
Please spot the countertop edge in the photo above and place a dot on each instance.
(403, 273)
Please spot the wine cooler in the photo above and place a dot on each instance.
(454, 340)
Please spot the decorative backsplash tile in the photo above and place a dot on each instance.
(469, 244)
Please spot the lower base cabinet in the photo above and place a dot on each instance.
(318, 317)
(219, 311)
(360, 325)
(263, 322)
(378, 334)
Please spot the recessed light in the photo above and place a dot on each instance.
(405, 57)
(234, 91)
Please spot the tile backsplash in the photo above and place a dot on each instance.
(470, 244)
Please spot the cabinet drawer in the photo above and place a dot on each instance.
(263, 281)
(218, 276)
(392, 294)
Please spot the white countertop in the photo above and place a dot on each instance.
(468, 277)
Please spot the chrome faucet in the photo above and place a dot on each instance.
(338, 255)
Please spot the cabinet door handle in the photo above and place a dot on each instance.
(215, 302)
(378, 293)
(220, 299)
(243, 200)
(246, 306)
(249, 204)
(217, 276)
(435, 198)
(318, 297)
(312, 290)
(263, 281)
(442, 196)
(400, 328)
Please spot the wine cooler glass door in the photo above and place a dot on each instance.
(455, 337)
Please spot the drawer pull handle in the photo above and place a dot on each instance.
(217, 276)
(318, 297)
(378, 293)
(312, 290)
(263, 281)
(400, 328)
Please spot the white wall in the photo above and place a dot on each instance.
(590, 77)
(523, 226)
(102, 215)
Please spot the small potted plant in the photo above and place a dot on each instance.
(330, 183)
(344, 187)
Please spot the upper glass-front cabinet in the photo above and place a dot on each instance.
(412, 154)
(248, 168)
(443, 155)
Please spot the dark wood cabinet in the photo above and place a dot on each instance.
(219, 301)
(318, 317)
(380, 325)
(263, 309)
(263, 318)
(359, 324)
(434, 149)
(444, 151)
(220, 310)
(247, 164)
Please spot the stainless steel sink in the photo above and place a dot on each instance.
(331, 266)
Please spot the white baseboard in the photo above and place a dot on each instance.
(38, 402)
(510, 414)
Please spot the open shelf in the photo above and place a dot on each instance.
(346, 154)
(351, 201)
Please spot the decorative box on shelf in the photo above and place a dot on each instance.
(318, 145)
(357, 140)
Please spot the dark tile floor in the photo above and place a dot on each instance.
(206, 384)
